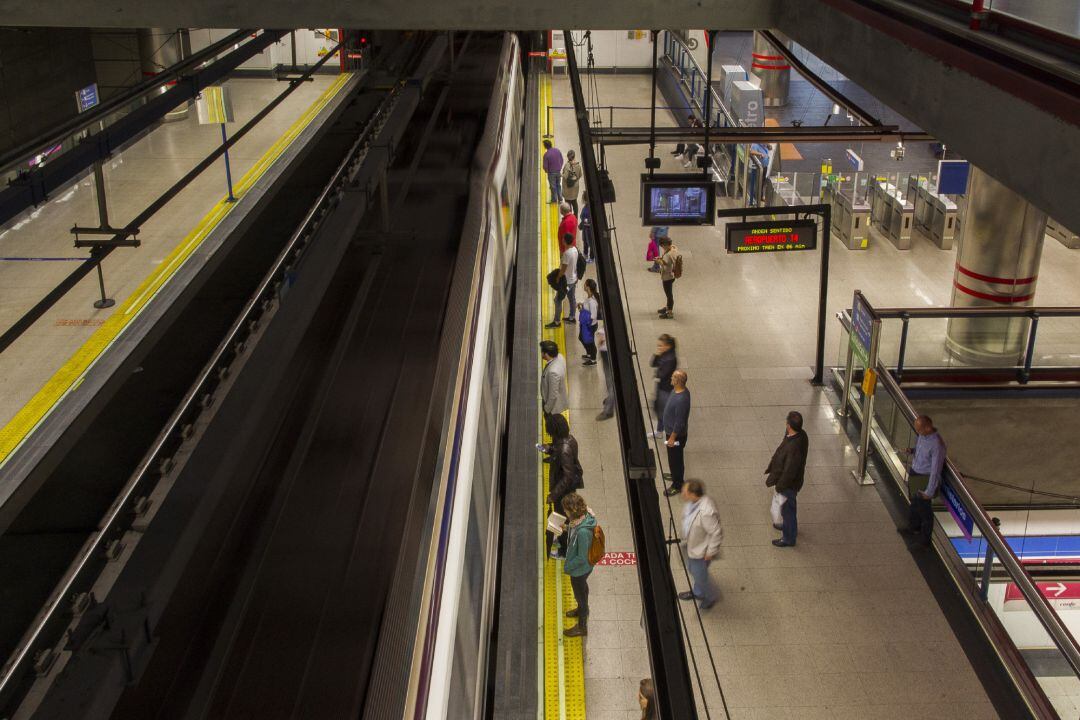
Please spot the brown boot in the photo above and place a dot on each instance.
(578, 630)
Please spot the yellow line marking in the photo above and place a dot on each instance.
(71, 373)
(564, 689)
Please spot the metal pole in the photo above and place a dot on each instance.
(823, 293)
(988, 567)
(903, 347)
(228, 169)
(848, 368)
(868, 411)
(652, 105)
(384, 203)
(706, 156)
(102, 204)
(104, 302)
(1029, 356)
(292, 40)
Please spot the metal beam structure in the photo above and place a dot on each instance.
(667, 654)
(818, 133)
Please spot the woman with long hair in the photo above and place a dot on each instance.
(646, 697)
(587, 317)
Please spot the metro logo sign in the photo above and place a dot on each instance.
(771, 236)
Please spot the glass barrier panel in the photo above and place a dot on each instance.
(1057, 342)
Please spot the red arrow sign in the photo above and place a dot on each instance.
(1050, 590)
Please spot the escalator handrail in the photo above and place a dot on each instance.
(718, 102)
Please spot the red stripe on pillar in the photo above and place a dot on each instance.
(759, 56)
(994, 297)
(759, 66)
(995, 280)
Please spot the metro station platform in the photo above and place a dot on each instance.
(847, 624)
(36, 250)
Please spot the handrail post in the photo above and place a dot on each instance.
(1029, 356)
(903, 347)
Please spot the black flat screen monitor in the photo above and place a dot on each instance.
(678, 200)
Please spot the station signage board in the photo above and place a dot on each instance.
(1062, 595)
(862, 328)
(618, 559)
(959, 513)
(770, 236)
(87, 97)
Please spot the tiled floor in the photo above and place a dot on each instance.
(133, 178)
(843, 626)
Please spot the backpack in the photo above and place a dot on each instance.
(677, 270)
(596, 550)
(580, 265)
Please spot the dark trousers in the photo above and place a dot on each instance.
(921, 517)
(789, 518)
(580, 586)
(668, 287)
(573, 205)
(675, 462)
(590, 349)
(658, 405)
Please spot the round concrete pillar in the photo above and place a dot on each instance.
(160, 49)
(997, 264)
(773, 71)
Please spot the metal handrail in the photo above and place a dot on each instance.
(969, 312)
(718, 101)
(1046, 614)
(204, 384)
(71, 126)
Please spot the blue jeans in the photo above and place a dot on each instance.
(555, 185)
(790, 521)
(571, 294)
(704, 590)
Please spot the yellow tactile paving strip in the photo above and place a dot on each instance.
(72, 373)
(564, 669)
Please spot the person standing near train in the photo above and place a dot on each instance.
(571, 180)
(553, 164)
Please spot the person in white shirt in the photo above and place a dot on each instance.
(567, 284)
(702, 534)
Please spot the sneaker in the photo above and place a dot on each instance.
(572, 613)
(666, 316)
(781, 543)
(686, 595)
(553, 325)
(605, 416)
(570, 321)
(576, 631)
(589, 362)
(555, 554)
(661, 311)
(543, 448)
(673, 491)
(653, 268)
(589, 261)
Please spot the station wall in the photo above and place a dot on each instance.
(311, 45)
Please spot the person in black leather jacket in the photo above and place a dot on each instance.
(564, 473)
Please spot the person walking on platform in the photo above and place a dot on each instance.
(568, 226)
(608, 410)
(553, 162)
(553, 380)
(702, 534)
(585, 224)
(670, 271)
(676, 428)
(646, 697)
(564, 474)
(786, 472)
(588, 312)
(924, 481)
(581, 525)
(665, 361)
(571, 179)
(566, 286)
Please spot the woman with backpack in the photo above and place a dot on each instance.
(588, 313)
(564, 473)
(670, 271)
(582, 553)
(571, 179)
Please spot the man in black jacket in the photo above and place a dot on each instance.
(785, 475)
(564, 475)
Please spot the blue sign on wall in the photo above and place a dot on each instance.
(956, 509)
(87, 97)
(862, 328)
(953, 176)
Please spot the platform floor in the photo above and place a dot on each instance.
(843, 625)
(133, 178)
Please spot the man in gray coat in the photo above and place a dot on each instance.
(553, 380)
(702, 534)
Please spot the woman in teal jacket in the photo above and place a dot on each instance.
(580, 523)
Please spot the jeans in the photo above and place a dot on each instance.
(790, 521)
(609, 383)
(921, 517)
(658, 405)
(580, 586)
(704, 589)
(669, 294)
(555, 185)
(571, 293)
(675, 462)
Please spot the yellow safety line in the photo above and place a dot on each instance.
(564, 687)
(71, 373)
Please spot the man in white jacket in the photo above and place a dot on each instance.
(702, 534)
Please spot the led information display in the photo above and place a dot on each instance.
(771, 236)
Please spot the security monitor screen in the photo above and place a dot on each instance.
(677, 200)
